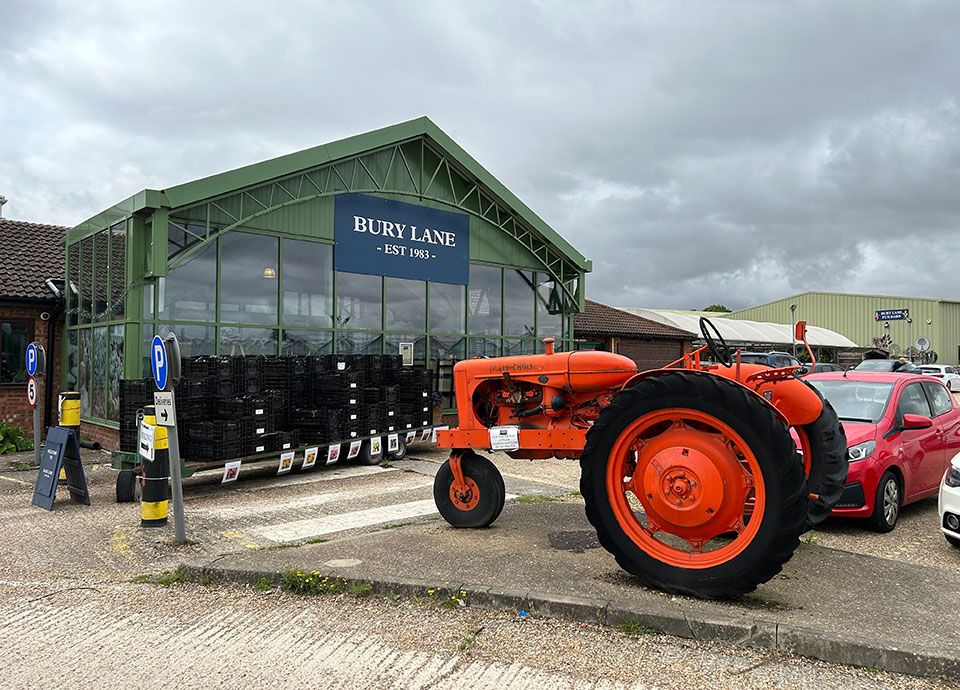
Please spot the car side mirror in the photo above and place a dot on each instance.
(916, 421)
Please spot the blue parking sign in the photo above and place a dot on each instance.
(32, 359)
(158, 362)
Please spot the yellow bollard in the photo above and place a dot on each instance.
(69, 418)
(153, 500)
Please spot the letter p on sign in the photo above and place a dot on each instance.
(158, 362)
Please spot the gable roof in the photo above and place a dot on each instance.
(600, 319)
(258, 173)
(33, 253)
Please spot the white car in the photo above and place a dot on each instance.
(949, 503)
(949, 375)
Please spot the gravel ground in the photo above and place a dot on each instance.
(192, 636)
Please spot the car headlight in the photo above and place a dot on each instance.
(952, 477)
(861, 451)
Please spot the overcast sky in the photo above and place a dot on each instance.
(730, 152)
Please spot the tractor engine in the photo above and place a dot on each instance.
(553, 392)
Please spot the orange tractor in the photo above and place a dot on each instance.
(690, 474)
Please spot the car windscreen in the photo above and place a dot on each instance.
(754, 359)
(930, 370)
(856, 401)
(875, 365)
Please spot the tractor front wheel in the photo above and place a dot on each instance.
(478, 499)
(692, 483)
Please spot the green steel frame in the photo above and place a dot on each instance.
(413, 161)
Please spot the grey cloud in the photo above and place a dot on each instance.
(698, 152)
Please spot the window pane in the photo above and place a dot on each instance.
(83, 369)
(115, 372)
(484, 302)
(193, 340)
(307, 283)
(146, 337)
(360, 343)
(406, 304)
(181, 235)
(939, 397)
(187, 292)
(307, 343)
(248, 281)
(518, 302)
(118, 282)
(392, 345)
(549, 308)
(148, 300)
(516, 346)
(359, 301)
(483, 347)
(447, 308)
(98, 372)
(72, 361)
(86, 280)
(101, 273)
(236, 341)
(73, 282)
(448, 349)
(913, 401)
(14, 338)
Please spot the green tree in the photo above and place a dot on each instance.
(717, 307)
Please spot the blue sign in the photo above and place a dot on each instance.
(390, 238)
(32, 359)
(891, 314)
(158, 362)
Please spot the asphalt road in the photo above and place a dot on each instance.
(72, 613)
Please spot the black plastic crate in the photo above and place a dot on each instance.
(193, 368)
(217, 431)
(253, 406)
(287, 440)
(222, 388)
(268, 443)
(255, 427)
(214, 452)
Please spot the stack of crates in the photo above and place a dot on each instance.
(135, 394)
(415, 397)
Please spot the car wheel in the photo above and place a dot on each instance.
(886, 503)
(953, 541)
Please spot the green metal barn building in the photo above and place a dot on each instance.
(389, 237)
(888, 324)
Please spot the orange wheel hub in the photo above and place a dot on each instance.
(466, 499)
(691, 476)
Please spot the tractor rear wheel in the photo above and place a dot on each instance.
(480, 502)
(692, 484)
(827, 466)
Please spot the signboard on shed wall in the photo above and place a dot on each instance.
(391, 238)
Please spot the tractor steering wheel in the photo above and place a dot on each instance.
(717, 345)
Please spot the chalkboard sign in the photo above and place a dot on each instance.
(60, 451)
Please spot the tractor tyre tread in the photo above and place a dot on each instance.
(829, 463)
(787, 494)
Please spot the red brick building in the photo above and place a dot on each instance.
(648, 343)
(30, 310)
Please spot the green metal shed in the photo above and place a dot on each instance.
(243, 262)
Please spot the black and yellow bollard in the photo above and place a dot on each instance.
(69, 414)
(153, 499)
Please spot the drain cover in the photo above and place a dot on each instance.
(580, 540)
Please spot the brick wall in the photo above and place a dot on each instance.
(13, 397)
(651, 354)
(108, 438)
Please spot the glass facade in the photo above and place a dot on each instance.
(248, 291)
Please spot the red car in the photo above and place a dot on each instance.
(902, 430)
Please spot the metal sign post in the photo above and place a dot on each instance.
(36, 358)
(165, 365)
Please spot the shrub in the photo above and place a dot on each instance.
(12, 439)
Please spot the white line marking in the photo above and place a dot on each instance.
(263, 507)
(329, 524)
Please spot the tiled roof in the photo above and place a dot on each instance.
(599, 319)
(31, 253)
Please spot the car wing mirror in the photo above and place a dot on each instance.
(916, 421)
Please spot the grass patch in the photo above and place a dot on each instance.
(23, 466)
(209, 581)
(396, 525)
(281, 547)
(166, 578)
(317, 540)
(632, 628)
(361, 589)
(386, 463)
(529, 499)
(263, 585)
(312, 583)
(575, 494)
(447, 600)
(809, 537)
